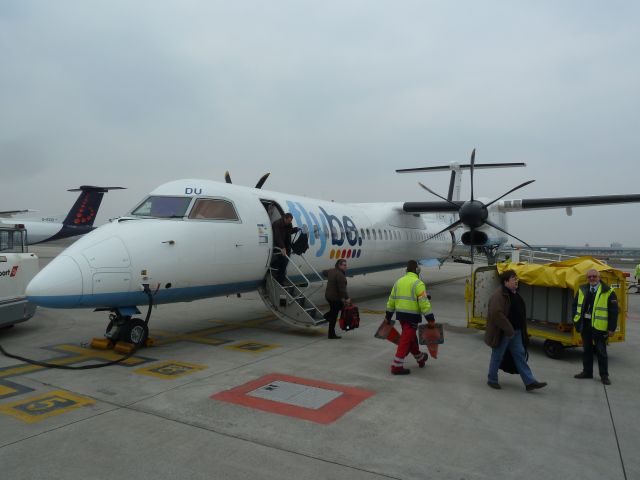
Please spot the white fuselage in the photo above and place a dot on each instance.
(183, 259)
(37, 230)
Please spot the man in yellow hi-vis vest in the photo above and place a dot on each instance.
(595, 316)
(409, 301)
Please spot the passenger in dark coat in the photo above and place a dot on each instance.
(282, 231)
(336, 294)
(506, 330)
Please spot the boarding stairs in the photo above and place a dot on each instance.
(292, 302)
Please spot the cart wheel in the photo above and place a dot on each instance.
(633, 289)
(553, 349)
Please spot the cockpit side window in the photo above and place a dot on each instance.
(163, 207)
(213, 209)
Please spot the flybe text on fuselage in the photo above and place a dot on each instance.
(342, 229)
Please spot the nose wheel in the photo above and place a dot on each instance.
(127, 329)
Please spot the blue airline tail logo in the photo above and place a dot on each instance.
(342, 231)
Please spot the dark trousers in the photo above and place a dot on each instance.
(332, 315)
(589, 338)
(280, 263)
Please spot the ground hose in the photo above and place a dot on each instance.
(84, 367)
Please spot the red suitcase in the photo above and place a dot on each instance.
(349, 318)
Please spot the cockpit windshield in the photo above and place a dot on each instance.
(163, 207)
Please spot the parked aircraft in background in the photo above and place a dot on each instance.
(78, 221)
(192, 239)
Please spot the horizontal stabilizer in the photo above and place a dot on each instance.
(91, 188)
(456, 166)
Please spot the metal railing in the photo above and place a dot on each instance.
(536, 256)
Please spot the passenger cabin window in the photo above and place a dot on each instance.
(213, 209)
(163, 207)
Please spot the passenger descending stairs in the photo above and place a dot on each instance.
(291, 303)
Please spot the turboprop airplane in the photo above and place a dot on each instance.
(78, 221)
(192, 239)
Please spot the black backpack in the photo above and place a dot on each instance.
(300, 243)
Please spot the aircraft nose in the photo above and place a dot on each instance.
(58, 285)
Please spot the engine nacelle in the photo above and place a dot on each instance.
(475, 237)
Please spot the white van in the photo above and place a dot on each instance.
(17, 268)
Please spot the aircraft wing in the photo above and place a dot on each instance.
(565, 202)
(8, 213)
(525, 204)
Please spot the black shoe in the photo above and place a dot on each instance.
(495, 386)
(535, 385)
(582, 375)
(421, 363)
(334, 337)
(400, 371)
(605, 380)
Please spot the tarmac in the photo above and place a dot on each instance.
(230, 392)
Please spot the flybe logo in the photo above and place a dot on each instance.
(10, 273)
(338, 235)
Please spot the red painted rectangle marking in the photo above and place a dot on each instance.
(329, 413)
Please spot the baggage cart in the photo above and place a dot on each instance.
(548, 292)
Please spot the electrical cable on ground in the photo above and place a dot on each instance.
(84, 367)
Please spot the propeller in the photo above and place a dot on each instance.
(262, 180)
(473, 214)
(227, 178)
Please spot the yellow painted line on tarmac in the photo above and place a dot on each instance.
(6, 390)
(204, 335)
(84, 354)
(373, 312)
(10, 372)
(170, 369)
(253, 347)
(90, 353)
(35, 409)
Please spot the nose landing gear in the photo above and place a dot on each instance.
(126, 334)
(123, 328)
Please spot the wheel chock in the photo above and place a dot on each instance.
(101, 344)
(124, 347)
(150, 342)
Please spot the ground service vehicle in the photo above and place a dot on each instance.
(548, 292)
(17, 268)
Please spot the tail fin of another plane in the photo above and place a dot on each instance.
(84, 211)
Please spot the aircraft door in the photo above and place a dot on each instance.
(265, 237)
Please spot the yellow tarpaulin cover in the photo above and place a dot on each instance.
(566, 274)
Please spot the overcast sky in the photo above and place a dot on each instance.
(330, 97)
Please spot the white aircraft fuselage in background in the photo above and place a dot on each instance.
(184, 258)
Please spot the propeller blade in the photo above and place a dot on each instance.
(450, 227)
(434, 193)
(512, 190)
(504, 231)
(227, 177)
(473, 160)
(262, 180)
